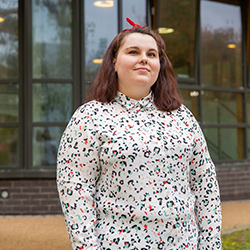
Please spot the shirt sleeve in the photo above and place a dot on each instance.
(77, 173)
(205, 187)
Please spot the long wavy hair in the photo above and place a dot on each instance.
(165, 92)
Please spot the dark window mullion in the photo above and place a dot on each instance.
(120, 17)
(245, 11)
(27, 85)
(21, 34)
(223, 125)
(10, 124)
(50, 124)
(54, 80)
(77, 60)
(198, 61)
(81, 36)
(11, 80)
(221, 89)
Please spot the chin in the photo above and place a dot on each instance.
(144, 84)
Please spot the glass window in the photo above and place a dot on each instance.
(45, 145)
(52, 39)
(222, 107)
(9, 102)
(221, 53)
(52, 102)
(9, 48)
(225, 143)
(9, 91)
(9, 147)
(101, 26)
(177, 28)
(190, 98)
(135, 10)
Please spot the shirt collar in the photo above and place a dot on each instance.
(130, 103)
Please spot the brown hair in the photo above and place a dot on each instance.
(105, 85)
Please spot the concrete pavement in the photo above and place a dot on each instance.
(49, 232)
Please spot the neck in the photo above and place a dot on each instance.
(136, 95)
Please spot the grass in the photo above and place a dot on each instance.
(236, 241)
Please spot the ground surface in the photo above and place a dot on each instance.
(49, 232)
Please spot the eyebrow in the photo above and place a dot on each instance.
(135, 47)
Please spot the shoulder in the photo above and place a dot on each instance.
(91, 111)
(184, 112)
(185, 117)
(82, 113)
(91, 108)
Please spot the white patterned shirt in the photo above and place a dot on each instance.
(133, 177)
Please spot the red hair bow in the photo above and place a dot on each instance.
(131, 23)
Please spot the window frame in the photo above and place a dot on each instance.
(25, 169)
(195, 84)
(25, 123)
(25, 81)
(242, 90)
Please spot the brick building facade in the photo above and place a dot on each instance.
(40, 196)
(51, 51)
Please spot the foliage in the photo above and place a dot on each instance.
(237, 241)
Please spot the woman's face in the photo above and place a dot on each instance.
(137, 65)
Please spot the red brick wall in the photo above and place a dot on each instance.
(30, 197)
(40, 197)
(234, 184)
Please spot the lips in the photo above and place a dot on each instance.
(142, 69)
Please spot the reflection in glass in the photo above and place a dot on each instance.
(190, 98)
(177, 28)
(101, 26)
(9, 102)
(9, 147)
(9, 39)
(135, 10)
(52, 39)
(225, 143)
(45, 145)
(221, 34)
(222, 107)
(52, 102)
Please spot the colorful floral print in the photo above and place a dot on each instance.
(133, 177)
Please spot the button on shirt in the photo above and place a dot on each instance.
(132, 177)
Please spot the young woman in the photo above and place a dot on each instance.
(133, 165)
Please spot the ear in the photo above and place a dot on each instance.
(114, 62)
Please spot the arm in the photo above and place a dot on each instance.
(77, 173)
(205, 187)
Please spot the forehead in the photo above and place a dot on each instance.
(139, 40)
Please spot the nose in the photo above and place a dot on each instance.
(143, 59)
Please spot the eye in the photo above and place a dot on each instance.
(133, 52)
(152, 54)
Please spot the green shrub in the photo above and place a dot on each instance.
(237, 241)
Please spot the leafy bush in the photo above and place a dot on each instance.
(236, 241)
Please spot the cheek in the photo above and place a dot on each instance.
(157, 67)
(124, 66)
